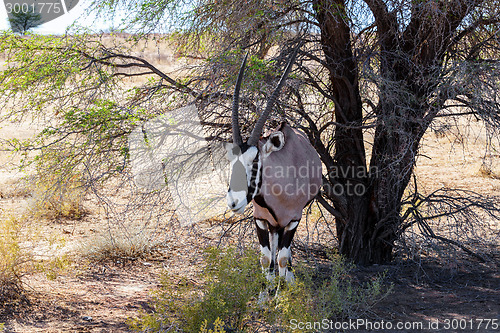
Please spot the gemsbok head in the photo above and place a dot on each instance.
(279, 173)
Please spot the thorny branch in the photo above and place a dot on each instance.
(463, 206)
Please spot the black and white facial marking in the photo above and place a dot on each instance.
(246, 170)
(245, 178)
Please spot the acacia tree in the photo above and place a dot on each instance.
(421, 49)
(23, 22)
(382, 68)
(418, 58)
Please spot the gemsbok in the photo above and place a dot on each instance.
(279, 173)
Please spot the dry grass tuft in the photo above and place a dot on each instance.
(14, 188)
(125, 244)
(14, 260)
(486, 172)
(54, 198)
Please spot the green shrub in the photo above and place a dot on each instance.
(232, 280)
(229, 299)
(334, 296)
(53, 267)
(218, 327)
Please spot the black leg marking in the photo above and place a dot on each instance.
(274, 242)
(267, 259)
(284, 253)
(262, 232)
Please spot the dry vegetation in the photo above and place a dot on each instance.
(83, 263)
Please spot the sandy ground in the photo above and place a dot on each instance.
(100, 296)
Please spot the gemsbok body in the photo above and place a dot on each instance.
(279, 173)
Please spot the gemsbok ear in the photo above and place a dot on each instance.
(275, 142)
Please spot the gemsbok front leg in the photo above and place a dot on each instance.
(267, 259)
(268, 240)
(284, 252)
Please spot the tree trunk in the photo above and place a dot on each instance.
(373, 220)
(370, 201)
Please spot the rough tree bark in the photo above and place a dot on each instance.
(349, 157)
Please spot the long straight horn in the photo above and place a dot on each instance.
(237, 140)
(254, 137)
